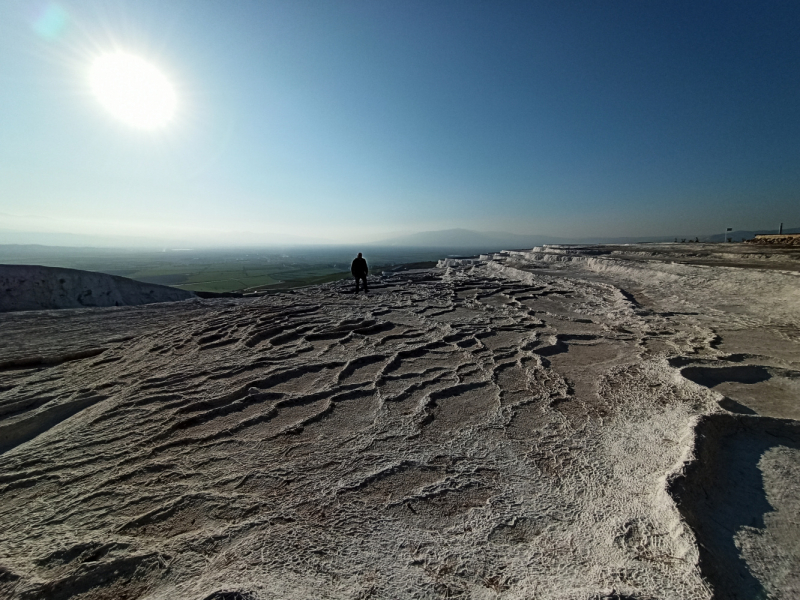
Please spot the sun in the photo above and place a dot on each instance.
(133, 90)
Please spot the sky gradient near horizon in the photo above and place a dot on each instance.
(355, 121)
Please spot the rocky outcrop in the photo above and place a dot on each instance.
(792, 239)
(33, 287)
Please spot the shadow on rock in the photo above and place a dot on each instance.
(722, 491)
(713, 376)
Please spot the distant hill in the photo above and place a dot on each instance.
(32, 287)
(466, 238)
(739, 235)
(498, 240)
(236, 239)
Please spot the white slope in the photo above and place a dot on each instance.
(33, 287)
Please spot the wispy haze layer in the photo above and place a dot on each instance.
(352, 122)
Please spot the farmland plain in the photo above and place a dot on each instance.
(224, 270)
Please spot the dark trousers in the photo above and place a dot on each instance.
(362, 278)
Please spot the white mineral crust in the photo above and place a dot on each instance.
(564, 423)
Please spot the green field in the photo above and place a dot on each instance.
(220, 270)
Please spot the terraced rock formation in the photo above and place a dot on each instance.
(504, 429)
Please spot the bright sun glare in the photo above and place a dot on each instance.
(133, 90)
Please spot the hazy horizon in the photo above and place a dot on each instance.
(441, 239)
(357, 122)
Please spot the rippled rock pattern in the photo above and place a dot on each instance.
(478, 431)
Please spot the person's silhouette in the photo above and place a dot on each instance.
(360, 270)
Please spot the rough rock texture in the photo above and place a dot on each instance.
(31, 287)
(516, 428)
(777, 240)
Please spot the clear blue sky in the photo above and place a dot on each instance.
(352, 121)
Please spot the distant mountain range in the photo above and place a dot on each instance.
(76, 240)
(466, 238)
(738, 236)
(498, 240)
(461, 239)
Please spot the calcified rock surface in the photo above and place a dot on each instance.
(32, 287)
(561, 423)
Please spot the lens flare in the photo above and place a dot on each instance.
(51, 22)
(133, 90)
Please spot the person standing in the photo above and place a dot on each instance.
(360, 270)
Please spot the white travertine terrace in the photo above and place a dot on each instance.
(564, 423)
(33, 287)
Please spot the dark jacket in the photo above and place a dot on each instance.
(359, 268)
